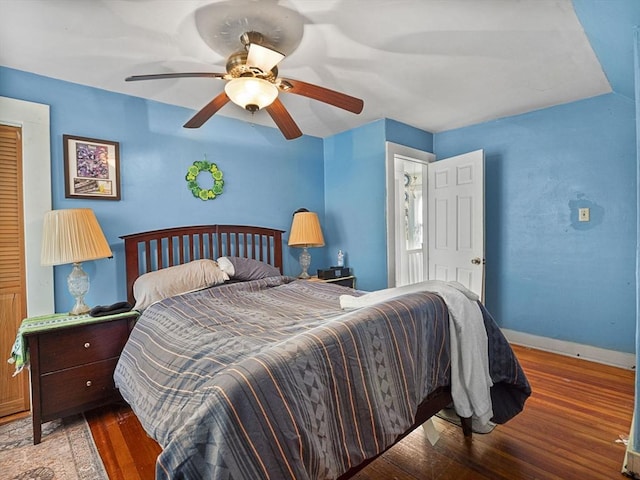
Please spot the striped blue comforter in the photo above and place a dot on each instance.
(271, 379)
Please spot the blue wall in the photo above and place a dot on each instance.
(355, 201)
(266, 177)
(609, 26)
(548, 274)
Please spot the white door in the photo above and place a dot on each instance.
(407, 254)
(456, 220)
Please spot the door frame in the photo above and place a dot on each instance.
(391, 150)
(36, 157)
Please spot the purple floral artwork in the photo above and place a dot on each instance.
(92, 160)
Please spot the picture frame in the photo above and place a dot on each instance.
(91, 168)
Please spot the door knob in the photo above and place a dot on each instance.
(476, 261)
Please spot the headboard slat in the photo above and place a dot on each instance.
(147, 250)
(256, 240)
(196, 242)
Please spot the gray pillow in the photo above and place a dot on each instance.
(245, 269)
(167, 282)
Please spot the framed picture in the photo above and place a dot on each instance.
(91, 168)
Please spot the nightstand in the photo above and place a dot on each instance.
(349, 281)
(72, 360)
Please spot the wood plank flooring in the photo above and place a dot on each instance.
(567, 431)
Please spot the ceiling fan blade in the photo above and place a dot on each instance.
(207, 111)
(337, 99)
(283, 120)
(263, 57)
(161, 76)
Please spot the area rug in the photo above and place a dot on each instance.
(67, 451)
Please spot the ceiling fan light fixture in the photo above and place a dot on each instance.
(262, 57)
(251, 93)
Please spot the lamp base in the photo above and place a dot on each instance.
(80, 308)
(78, 284)
(305, 261)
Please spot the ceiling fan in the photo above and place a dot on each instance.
(253, 84)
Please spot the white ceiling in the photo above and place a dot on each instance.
(432, 64)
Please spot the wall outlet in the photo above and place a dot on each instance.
(583, 214)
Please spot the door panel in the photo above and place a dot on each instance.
(456, 220)
(440, 220)
(14, 393)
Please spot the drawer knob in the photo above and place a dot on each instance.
(88, 383)
(87, 345)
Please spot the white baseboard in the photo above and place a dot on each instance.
(631, 464)
(571, 349)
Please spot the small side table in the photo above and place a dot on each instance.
(72, 360)
(349, 281)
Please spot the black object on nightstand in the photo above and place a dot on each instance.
(334, 272)
(72, 366)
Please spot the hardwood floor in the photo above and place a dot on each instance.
(568, 430)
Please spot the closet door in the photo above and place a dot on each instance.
(14, 391)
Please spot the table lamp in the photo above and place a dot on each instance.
(73, 236)
(305, 232)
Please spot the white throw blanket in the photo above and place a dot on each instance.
(470, 377)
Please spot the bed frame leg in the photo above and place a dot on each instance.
(467, 429)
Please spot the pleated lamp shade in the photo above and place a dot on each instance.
(306, 231)
(72, 236)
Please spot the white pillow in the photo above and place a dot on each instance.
(226, 266)
(170, 281)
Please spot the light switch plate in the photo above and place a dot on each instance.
(583, 214)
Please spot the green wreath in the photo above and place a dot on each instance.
(192, 180)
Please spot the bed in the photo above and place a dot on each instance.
(268, 376)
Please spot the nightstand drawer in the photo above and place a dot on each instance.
(67, 348)
(344, 281)
(349, 281)
(74, 387)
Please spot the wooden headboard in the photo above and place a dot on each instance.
(153, 250)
